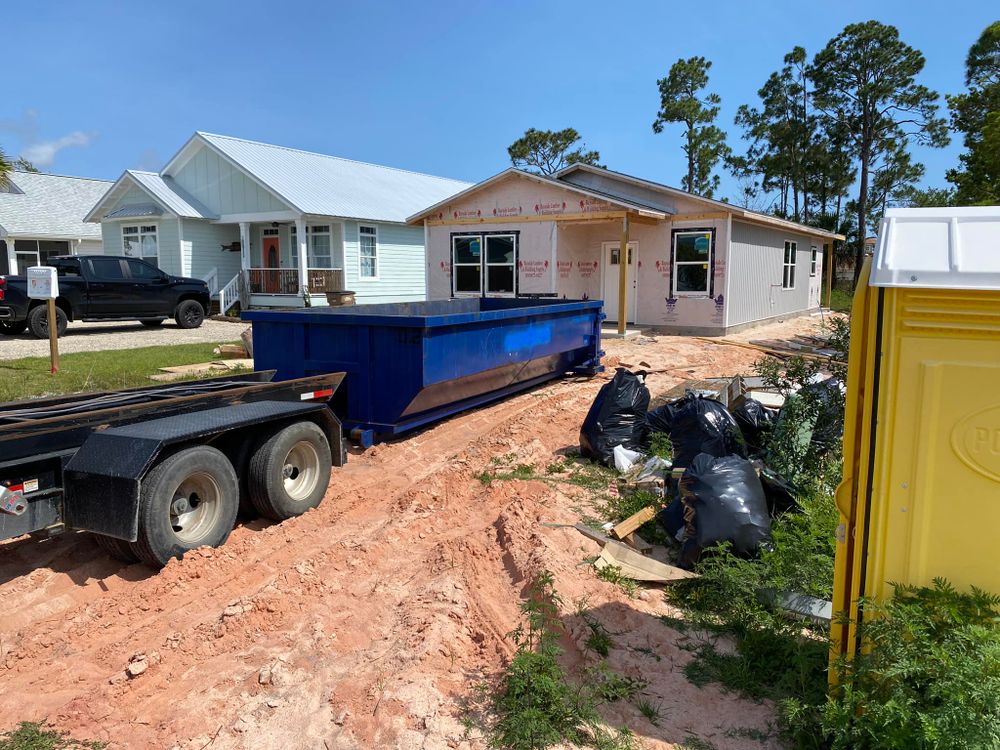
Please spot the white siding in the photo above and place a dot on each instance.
(755, 268)
(401, 276)
(89, 247)
(223, 188)
(166, 239)
(203, 241)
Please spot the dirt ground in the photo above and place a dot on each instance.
(92, 337)
(366, 622)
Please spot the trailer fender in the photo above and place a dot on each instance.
(104, 478)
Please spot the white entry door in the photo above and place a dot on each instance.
(611, 251)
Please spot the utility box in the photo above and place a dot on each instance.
(920, 497)
(43, 283)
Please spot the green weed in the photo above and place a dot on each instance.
(34, 736)
(651, 712)
(613, 574)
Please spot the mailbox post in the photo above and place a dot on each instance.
(43, 283)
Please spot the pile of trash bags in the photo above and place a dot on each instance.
(725, 494)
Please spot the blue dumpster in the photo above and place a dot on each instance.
(411, 363)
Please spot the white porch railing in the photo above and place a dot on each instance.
(232, 293)
(212, 279)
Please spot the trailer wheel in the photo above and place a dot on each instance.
(290, 471)
(117, 548)
(188, 500)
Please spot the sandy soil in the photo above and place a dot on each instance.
(364, 623)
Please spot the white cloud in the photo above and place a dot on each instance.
(42, 154)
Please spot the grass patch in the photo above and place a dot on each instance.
(651, 712)
(533, 704)
(94, 371)
(841, 300)
(613, 574)
(31, 736)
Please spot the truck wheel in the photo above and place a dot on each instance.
(117, 548)
(290, 471)
(152, 322)
(188, 500)
(38, 321)
(189, 314)
(13, 329)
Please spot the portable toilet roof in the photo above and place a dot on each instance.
(939, 248)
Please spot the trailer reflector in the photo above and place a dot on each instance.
(311, 395)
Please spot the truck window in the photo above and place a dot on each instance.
(109, 269)
(141, 271)
(67, 267)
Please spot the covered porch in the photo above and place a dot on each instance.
(286, 262)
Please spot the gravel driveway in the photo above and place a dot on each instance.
(90, 337)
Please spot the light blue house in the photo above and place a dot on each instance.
(270, 226)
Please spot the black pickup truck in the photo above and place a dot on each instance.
(104, 287)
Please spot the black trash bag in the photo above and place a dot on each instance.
(660, 419)
(724, 502)
(703, 425)
(617, 417)
(755, 421)
(671, 518)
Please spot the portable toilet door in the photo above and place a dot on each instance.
(920, 496)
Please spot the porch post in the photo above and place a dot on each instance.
(11, 257)
(623, 277)
(303, 240)
(245, 245)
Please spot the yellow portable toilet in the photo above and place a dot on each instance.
(920, 497)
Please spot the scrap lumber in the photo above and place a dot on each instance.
(591, 534)
(633, 522)
(638, 567)
(247, 338)
(220, 366)
(639, 544)
(231, 351)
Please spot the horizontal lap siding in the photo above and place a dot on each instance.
(166, 239)
(400, 264)
(755, 273)
(205, 248)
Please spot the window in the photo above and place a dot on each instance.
(67, 267)
(788, 276)
(692, 263)
(812, 261)
(48, 249)
(142, 271)
(466, 259)
(140, 242)
(109, 269)
(500, 264)
(295, 247)
(320, 247)
(368, 252)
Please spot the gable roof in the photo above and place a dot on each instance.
(163, 190)
(628, 203)
(314, 183)
(566, 173)
(48, 205)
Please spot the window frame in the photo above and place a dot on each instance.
(143, 230)
(813, 260)
(318, 230)
(373, 234)
(484, 263)
(674, 263)
(788, 268)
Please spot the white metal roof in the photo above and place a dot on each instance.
(171, 195)
(50, 206)
(331, 186)
(946, 248)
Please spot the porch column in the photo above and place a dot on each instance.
(303, 240)
(623, 278)
(245, 245)
(11, 257)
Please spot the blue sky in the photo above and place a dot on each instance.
(92, 88)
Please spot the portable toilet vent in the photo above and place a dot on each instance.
(920, 497)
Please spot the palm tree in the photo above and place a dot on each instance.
(6, 167)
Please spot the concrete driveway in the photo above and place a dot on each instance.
(90, 337)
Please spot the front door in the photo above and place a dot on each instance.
(272, 262)
(611, 251)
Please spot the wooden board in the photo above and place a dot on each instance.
(633, 522)
(638, 567)
(639, 544)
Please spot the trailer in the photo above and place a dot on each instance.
(159, 470)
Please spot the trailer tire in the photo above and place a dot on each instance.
(188, 500)
(38, 321)
(117, 548)
(290, 471)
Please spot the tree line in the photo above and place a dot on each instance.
(828, 141)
